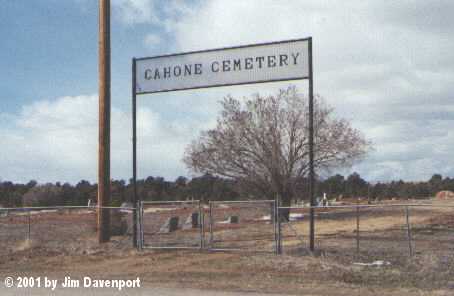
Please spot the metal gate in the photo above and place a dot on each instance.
(218, 226)
(170, 225)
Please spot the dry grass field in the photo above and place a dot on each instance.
(63, 244)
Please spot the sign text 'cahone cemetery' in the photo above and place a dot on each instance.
(286, 60)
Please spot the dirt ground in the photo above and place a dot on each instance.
(238, 272)
(333, 270)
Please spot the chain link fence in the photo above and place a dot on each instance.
(60, 229)
(390, 233)
(351, 233)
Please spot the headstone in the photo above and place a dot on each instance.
(296, 217)
(233, 219)
(325, 200)
(119, 223)
(3, 214)
(170, 225)
(125, 207)
(192, 221)
(284, 215)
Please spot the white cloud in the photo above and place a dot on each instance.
(57, 141)
(51, 141)
(386, 66)
(152, 40)
(135, 11)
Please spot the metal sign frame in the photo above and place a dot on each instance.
(310, 77)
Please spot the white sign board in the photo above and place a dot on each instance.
(286, 60)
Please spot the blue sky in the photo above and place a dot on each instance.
(386, 66)
(47, 46)
(51, 47)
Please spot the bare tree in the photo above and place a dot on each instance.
(263, 143)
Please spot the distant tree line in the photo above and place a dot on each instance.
(355, 186)
(209, 187)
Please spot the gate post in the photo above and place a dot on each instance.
(278, 228)
(357, 229)
(140, 226)
(211, 224)
(201, 226)
(273, 218)
(407, 218)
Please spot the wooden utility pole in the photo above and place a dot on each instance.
(104, 122)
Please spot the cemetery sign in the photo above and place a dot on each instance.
(285, 60)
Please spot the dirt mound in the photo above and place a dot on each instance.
(445, 194)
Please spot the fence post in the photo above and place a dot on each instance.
(275, 221)
(136, 225)
(410, 247)
(29, 226)
(273, 218)
(201, 224)
(211, 224)
(357, 229)
(279, 230)
(141, 235)
(142, 227)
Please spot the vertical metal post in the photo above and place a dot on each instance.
(142, 235)
(137, 240)
(211, 224)
(104, 122)
(357, 229)
(203, 225)
(279, 229)
(311, 148)
(137, 243)
(29, 227)
(134, 149)
(407, 215)
(274, 217)
(138, 225)
(200, 218)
